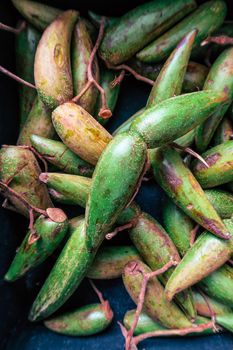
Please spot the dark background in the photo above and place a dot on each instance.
(15, 299)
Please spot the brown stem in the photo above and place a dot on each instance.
(11, 29)
(105, 304)
(220, 40)
(132, 71)
(112, 234)
(104, 112)
(212, 313)
(193, 235)
(118, 79)
(37, 154)
(191, 152)
(15, 77)
(146, 278)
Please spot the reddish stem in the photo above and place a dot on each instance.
(104, 110)
(191, 152)
(37, 154)
(118, 79)
(15, 77)
(106, 306)
(193, 235)
(220, 40)
(212, 313)
(112, 234)
(141, 297)
(11, 29)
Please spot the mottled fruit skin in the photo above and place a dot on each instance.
(206, 19)
(220, 78)
(131, 32)
(87, 320)
(21, 164)
(155, 304)
(222, 201)
(52, 69)
(156, 249)
(178, 226)
(181, 186)
(220, 170)
(37, 14)
(203, 309)
(81, 50)
(206, 255)
(110, 261)
(224, 132)
(176, 116)
(147, 324)
(56, 153)
(114, 182)
(26, 43)
(38, 122)
(28, 256)
(219, 285)
(80, 132)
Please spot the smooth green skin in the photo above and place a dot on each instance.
(56, 153)
(87, 320)
(23, 166)
(193, 80)
(220, 161)
(226, 321)
(206, 255)
(138, 27)
(106, 77)
(155, 303)
(39, 15)
(181, 186)
(66, 188)
(81, 51)
(206, 19)
(146, 324)
(38, 122)
(156, 249)
(203, 309)
(96, 19)
(222, 201)
(110, 261)
(28, 256)
(67, 273)
(113, 184)
(170, 79)
(224, 132)
(176, 116)
(220, 78)
(52, 71)
(26, 44)
(178, 226)
(219, 285)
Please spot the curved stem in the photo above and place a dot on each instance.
(11, 29)
(220, 40)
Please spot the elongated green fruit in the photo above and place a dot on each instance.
(26, 44)
(20, 167)
(224, 132)
(52, 61)
(146, 324)
(226, 321)
(176, 116)
(155, 303)
(87, 320)
(219, 285)
(50, 234)
(222, 201)
(38, 122)
(39, 15)
(203, 308)
(114, 182)
(110, 261)
(206, 19)
(138, 27)
(206, 255)
(170, 79)
(106, 77)
(56, 153)
(220, 170)
(220, 78)
(66, 188)
(156, 248)
(81, 50)
(80, 132)
(178, 225)
(181, 186)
